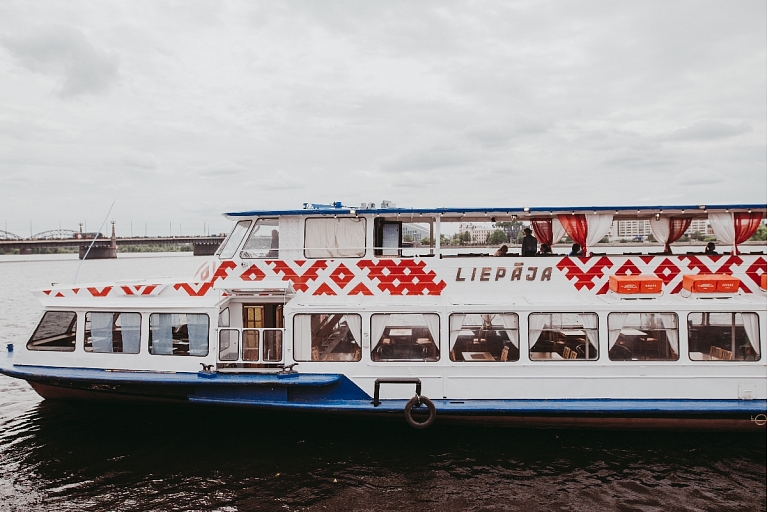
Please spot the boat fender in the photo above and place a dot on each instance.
(418, 401)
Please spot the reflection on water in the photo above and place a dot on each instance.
(92, 456)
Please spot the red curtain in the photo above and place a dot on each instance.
(677, 226)
(576, 227)
(744, 226)
(542, 228)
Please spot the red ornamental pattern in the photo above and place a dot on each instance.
(404, 278)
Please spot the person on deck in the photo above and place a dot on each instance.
(529, 243)
(502, 251)
(545, 250)
(575, 250)
(710, 248)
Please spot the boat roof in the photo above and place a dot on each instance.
(529, 211)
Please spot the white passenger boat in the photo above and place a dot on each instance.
(336, 309)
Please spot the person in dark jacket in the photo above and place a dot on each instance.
(530, 244)
(575, 250)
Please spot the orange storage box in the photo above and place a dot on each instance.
(634, 284)
(711, 283)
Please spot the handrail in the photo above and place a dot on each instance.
(393, 380)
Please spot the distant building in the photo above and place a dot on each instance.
(478, 234)
(416, 232)
(641, 228)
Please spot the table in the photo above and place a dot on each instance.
(477, 356)
(401, 332)
(633, 332)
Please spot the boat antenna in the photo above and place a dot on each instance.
(94, 241)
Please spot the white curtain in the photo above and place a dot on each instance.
(669, 321)
(660, 229)
(752, 327)
(101, 332)
(302, 337)
(320, 238)
(355, 324)
(722, 225)
(510, 327)
(589, 322)
(197, 329)
(557, 230)
(536, 323)
(350, 237)
(433, 324)
(457, 321)
(615, 324)
(334, 238)
(378, 324)
(598, 225)
(162, 334)
(130, 325)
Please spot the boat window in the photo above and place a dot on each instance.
(405, 337)
(113, 332)
(229, 340)
(643, 337)
(327, 337)
(178, 334)
(484, 337)
(562, 336)
(264, 241)
(232, 242)
(56, 332)
(342, 237)
(250, 344)
(726, 336)
(273, 345)
(224, 317)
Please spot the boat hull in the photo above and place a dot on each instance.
(634, 415)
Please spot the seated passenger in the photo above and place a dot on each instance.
(575, 250)
(710, 248)
(544, 250)
(502, 251)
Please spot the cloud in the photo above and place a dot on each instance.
(65, 53)
(709, 130)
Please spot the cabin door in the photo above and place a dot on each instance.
(256, 318)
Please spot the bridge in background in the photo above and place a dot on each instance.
(107, 247)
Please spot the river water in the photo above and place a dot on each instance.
(91, 456)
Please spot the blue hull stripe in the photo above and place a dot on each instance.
(492, 407)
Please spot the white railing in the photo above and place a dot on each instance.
(251, 345)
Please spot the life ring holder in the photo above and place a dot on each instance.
(414, 402)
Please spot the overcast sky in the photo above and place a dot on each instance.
(184, 110)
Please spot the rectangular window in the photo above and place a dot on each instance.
(405, 337)
(273, 345)
(343, 237)
(250, 344)
(56, 332)
(484, 337)
(264, 241)
(643, 337)
(229, 341)
(327, 337)
(232, 242)
(178, 334)
(113, 333)
(727, 336)
(562, 336)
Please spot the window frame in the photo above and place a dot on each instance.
(517, 330)
(352, 217)
(252, 230)
(220, 251)
(188, 354)
(374, 344)
(596, 329)
(296, 339)
(732, 325)
(72, 325)
(677, 328)
(86, 331)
